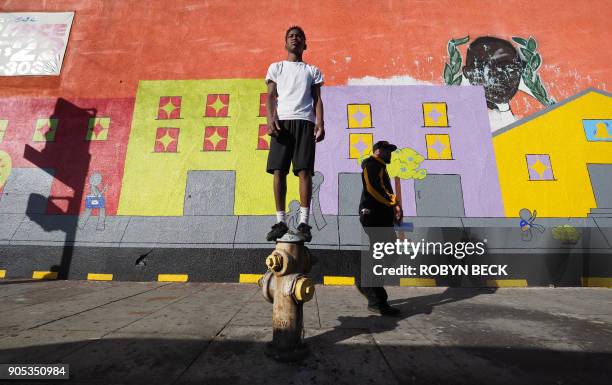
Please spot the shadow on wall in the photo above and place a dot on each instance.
(68, 124)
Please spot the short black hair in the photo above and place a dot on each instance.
(298, 28)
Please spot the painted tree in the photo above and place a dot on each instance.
(405, 164)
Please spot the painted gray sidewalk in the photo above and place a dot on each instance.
(229, 231)
(202, 333)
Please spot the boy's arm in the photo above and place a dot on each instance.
(273, 125)
(318, 104)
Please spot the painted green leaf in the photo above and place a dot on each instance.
(448, 74)
(454, 56)
(536, 61)
(520, 40)
(527, 53)
(451, 48)
(457, 80)
(462, 40)
(531, 44)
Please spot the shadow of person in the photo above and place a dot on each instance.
(67, 158)
(350, 327)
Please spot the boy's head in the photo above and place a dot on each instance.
(295, 40)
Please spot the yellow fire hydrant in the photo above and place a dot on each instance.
(287, 287)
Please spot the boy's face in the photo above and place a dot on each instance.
(295, 42)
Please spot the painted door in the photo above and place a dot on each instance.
(439, 196)
(601, 182)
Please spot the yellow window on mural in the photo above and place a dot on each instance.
(434, 114)
(360, 145)
(45, 130)
(438, 146)
(97, 128)
(3, 126)
(359, 115)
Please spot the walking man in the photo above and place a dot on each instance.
(378, 211)
(295, 123)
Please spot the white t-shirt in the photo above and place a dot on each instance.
(293, 84)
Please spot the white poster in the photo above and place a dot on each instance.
(33, 43)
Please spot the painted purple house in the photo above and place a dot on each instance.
(448, 125)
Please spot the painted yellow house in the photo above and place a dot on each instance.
(559, 160)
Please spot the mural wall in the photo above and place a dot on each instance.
(486, 101)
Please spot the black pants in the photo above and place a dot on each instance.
(376, 220)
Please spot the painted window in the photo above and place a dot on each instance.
(263, 139)
(217, 106)
(45, 130)
(215, 138)
(539, 167)
(598, 130)
(98, 128)
(169, 107)
(359, 115)
(263, 98)
(166, 139)
(3, 127)
(438, 146)
(434, 114)
(360, 145)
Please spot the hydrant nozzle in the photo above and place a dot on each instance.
(304, 289)
(274, 262)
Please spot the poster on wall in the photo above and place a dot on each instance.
(33, 43)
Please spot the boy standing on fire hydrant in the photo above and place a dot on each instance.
(295, 123)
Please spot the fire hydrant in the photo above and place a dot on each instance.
(287, 287)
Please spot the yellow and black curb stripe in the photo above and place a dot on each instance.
(249, 278)
(506, 283)
(172, 277)
(44, 275)
(332, 280)
(99, 277)
(328, 280)
(596, 282)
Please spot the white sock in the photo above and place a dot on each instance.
(304, 214)
(280, 216)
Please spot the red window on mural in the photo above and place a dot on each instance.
(169, 107)
(166, 139)
(215, 138)
(217, 106)
(262, 104)
(263, 139)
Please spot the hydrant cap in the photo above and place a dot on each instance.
(274, 262)
(304, 289)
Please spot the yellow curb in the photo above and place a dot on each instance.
(172, 277)
(99, 277)
(338, 281)
(596, 282)
(506, 282)
(249, 278)
(429, 282)
(44, 275)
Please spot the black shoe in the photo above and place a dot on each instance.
(278, 230)
(303, 231)
(385, 309)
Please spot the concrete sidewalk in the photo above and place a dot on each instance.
(202, 333)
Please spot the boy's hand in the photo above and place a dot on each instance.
(319, 132)
(274, 128)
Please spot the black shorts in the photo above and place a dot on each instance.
(294, 144)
